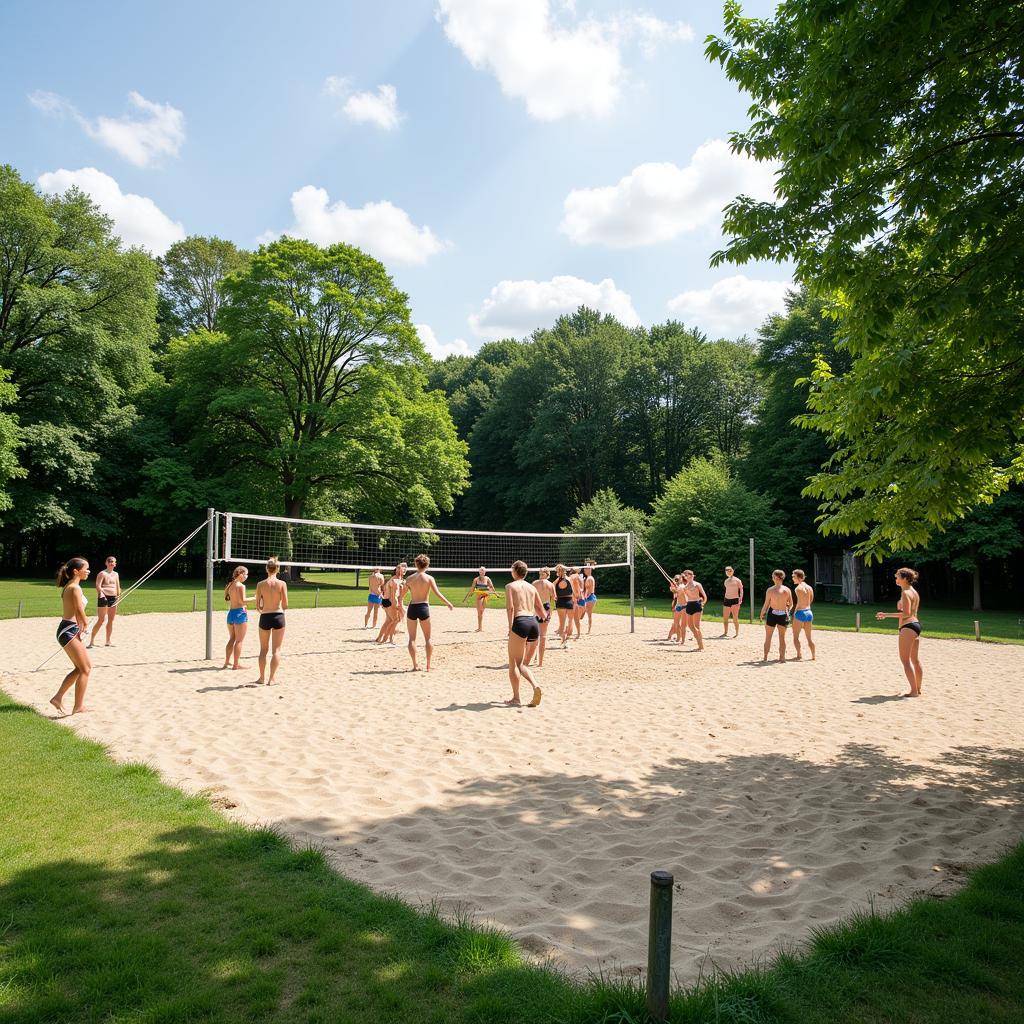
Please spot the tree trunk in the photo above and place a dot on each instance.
(977, 588)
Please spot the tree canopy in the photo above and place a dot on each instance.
(899, 132)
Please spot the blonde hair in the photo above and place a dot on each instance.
(910, 575)
(422, 562)
(273, 565)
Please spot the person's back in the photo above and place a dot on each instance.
(272, 595)
(419, 585)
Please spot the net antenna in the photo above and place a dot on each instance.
(318, 544)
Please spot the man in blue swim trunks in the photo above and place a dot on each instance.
(374, 586)
(803, 617)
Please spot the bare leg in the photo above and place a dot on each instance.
(915, 660)
(516, 653)
(111, 615)
(735, 619)
(366, 617)
(480, 604)
(767, 640)
(277, 638)
(426, 640)
(101, 616)
(908, 641)
(797, 629)
(411, 646)
(697, 634)
(562, 635)
(684, 621)
(241, 629)
(782, 642)
(809, 631)
(78, 677)
(230, 646)
(590, 617)
(264, 644)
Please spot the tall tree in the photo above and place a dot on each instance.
(312, 399)
(192, 274)
(605, 513)
(899, 128)
(77, 321)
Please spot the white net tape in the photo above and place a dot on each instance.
(319, 545)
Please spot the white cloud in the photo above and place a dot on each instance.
(439, 350)
(515, 308)
(137, 219)
(656, 202)
(382, 229)
(652, 32)
(732, 306)
(156, 130)
(379, 108)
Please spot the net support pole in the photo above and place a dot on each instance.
(751, 580)
(632, 585)
(210, 532)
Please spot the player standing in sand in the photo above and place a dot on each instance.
(675, 630)
(778, 599)
(732, 601)
(694, 596)
(373, 598)
(576, 619)
(272, 602)
(909, 630)
(403, 568)
(108, 593)
(803, 617)
(70, 630)
(390, 598)
(546, 589)
(563, 603)
(525, 611)
(483, 589)
(238, 616)
(420, 586)
(589, 593)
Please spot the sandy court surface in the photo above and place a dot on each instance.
(781, 796)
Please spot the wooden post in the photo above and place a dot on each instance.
(751, 580)
(659, 945)
(977, 630)
(858, 622)
(645, 610)
(316, 598)
(20, 603)
(193, 601)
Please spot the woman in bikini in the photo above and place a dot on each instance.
(693, 598)
(589, 594)
(676, 629)
(272, 602)
(483, 589)
(732, 600)
(108, 593)
(563, 603)
(373, 586)
(71, 630)
(803, 617)
(909, 630)
(778, 599)
(525, 610)
(578, 601)
(546, 589)
(238, 616)
(390, 599)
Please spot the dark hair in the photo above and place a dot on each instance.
(519, 569)
(800, 573)
(777, 573)
(907, 574)
(239, 569)
(68, 570)
(421, 562)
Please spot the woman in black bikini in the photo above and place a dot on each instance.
(525, 610)
(909, 628)
(272, 603)
(564, 604)
(546, 589)
(71, 630)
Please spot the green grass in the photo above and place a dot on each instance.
(125, 901)
(339, 590)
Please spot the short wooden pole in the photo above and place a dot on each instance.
(858, 622)
(194, 602)
(20, 605)
(645, 611)
(316, 598)
(977, 630)
(659, 945)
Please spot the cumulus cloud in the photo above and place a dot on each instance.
(732, 306)
(557, 69)
(153, 131)
(379, 108)
(656, 202)
(441, 350)
(137, 219)
(515, 308)
(382, 229)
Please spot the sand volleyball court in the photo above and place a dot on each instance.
(781, 796)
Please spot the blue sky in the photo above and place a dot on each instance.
(506, 159)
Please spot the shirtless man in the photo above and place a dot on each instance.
(733, 601)
(803, 616)
(778, 599)
(548, 595)
(272, 603)
(108, 593)
(693, 598)
(420, 586)
(403, 568)
(390, 599)
(373, 599)
(525, 610)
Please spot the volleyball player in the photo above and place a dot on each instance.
(693, 598)
(272, 603)
(589, 593)
(525, 610)
(108, 593)
(238, 616)
(909, 630)
(373, 598)
(803, 617)
(732, 600)
(546, 589)
(778, 599)
(420, 586)
(483, 590)
(564, 603)
(71, 630)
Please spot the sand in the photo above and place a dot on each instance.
(782, 797)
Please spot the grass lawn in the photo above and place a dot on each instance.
(338, 589)
(124, 900)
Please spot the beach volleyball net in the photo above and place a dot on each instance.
(315, 544)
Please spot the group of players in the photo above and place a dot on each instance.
(528, 607)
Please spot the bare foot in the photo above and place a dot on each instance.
(59, 705)
(536, 698)
(259, 682)
(799, 657)
(81, 710)
(513, 703)
(224, 666)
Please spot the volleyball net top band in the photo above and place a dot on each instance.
(316, 544)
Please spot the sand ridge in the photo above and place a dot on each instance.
(781, 796)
